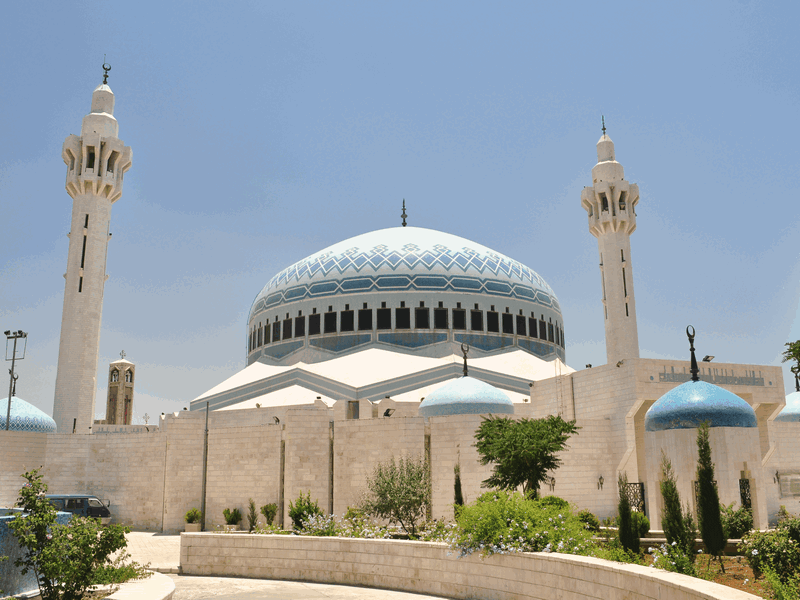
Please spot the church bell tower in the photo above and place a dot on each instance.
(96, 162)
(610, 203)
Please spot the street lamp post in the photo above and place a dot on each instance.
(13, 335)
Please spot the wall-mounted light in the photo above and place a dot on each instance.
(388, 412)
(588, 365)
(258, 405)
(708, 358)
(277, 420)
(620, 363)
(600, 481)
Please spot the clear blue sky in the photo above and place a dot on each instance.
(263, 132)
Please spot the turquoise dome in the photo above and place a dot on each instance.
(466, 396)
(691, 403)
(790, 412)
(25, 417)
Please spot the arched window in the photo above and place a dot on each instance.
(128, 376)
(114, 376)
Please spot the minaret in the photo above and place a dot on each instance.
(96, 162)
(610, 203)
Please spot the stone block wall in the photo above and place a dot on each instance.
(21, 451)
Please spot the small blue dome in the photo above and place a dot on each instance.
(25, 417)
(466, 396)
(790, 412)
(691, 403)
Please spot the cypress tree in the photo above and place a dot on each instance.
(458, 496)
(708, 512)
(677, 524)
(628, 535)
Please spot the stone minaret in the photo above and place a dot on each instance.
(610, 203)
(96, 162)
(119, 404)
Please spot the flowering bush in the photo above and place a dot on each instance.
(672, 557)
(501, 522)
(775, 550)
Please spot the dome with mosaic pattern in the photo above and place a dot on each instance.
(409, 273)
(25, 417)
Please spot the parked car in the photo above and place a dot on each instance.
(81, 504)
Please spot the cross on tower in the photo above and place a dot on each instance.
(122, 355)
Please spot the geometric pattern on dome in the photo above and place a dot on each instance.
(402, 282)
(691, 403)
(400, 250)
(25, 417)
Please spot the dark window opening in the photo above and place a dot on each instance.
(626, 310)
(521, 325)
(83, 253)
(313, 311)
(508, 323)
(622, 196)
(365, 319)
(563, 344)
(476, 320)
(440, 318)
(330, 322)
(299, 327)
(314, 324)
(402, 318)
(86, 222)
(276, 332)
(352, 409)
(551, 335)
(492, 322)
(542, 330)
(422, 305)
(558, 337)
(90, 157)
(402, 304)
(441, 304)
(458, 304)
(258, 338)
(459, 318)
(348, 321)
(604, 202)
(287, 329)
(250, 342)
(383, 304)
(80, 285)
(384, 317)
(422, 318)
(624, 283)
(266, 334)
(111, 160)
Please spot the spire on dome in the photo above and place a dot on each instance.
(693, 369)
(603, 117)
(106, 69)
(404, 215)
(464, 350)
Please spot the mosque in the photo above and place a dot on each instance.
(394, 342)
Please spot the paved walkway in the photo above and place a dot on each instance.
(163, 553)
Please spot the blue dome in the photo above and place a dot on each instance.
(691, 403)
(25, 417)
(466, 396)
(790, 412)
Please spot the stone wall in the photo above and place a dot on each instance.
(21, 451)
(429, 568)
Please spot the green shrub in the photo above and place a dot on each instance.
(775, 550)
(232, 517)
(628, 533)
(735, 523)
(501, 521)
(399, 491)
(193, 515)
(252, 515)
(553, 501)
(708, 511)
(458, 495)
(783, 514)
(676, 522)
(671, 557)
(302, 509)
(613, 550)
(781, 590)
(590, 521)
(640, 522)
(269, 511)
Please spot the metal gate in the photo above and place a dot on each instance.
(635, 494)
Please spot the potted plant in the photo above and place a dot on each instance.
(193, 518)
(232, 518)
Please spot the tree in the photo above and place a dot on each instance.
(66, 559)
(522, 451)
(677, 523)
(708, 511)
(458, 495)
(792, 352)
(628, 533)
(399, 491)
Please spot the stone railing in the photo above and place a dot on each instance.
(430, 568)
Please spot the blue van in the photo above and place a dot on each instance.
(81, 504)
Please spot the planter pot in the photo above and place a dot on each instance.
(192, 527)
(232, 527)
